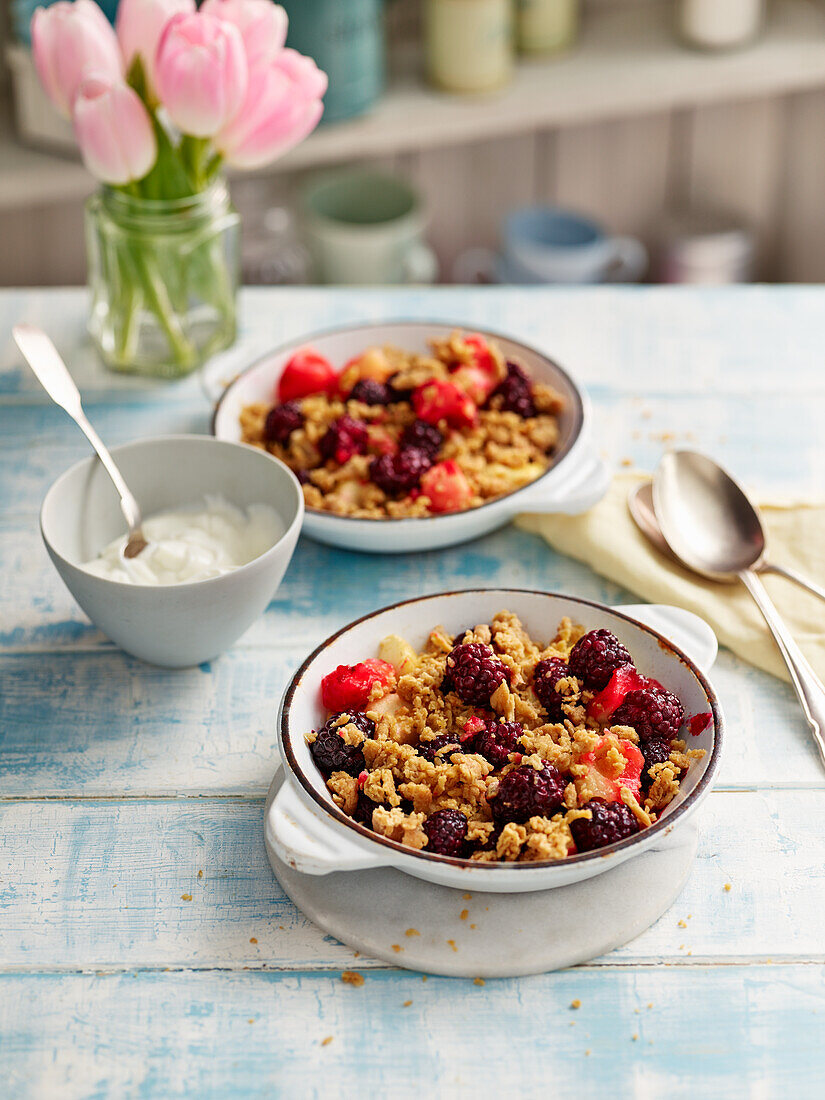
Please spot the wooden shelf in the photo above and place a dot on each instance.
(628, 62)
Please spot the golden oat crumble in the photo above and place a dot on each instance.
(422, 762)
(488, 452)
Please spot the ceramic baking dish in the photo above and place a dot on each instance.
(308, 831)
(575, 482)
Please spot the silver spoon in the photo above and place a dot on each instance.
(711, 527)
(53, 375)
(640, 504)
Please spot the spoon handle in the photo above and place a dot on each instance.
(807, 684)
(796, 578)
(53, 375)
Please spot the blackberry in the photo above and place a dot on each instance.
(654, 752)
(525, 792)
(422, 435)
(610, 821)
(446, 833)
(546, 675)
(429, 749)
(398, 393)
(595, 657)
(371, 392)
(353, 718)
(303, 476)
(514, 393)
(331, 754)
(654, 713)
(363, 810)
(497, 740)
(475, 672)
(399, 473)
(343, 439)
(281, 422)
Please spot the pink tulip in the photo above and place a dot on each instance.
(139, 25)
(282, 105)
(114, 131)
(201, 72)
(70, 41)
(262, 25)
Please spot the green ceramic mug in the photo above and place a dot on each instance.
(366, 228)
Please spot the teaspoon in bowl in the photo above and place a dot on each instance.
(712, 528)
(53, 375)
(640, 505)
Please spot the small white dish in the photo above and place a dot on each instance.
(310, 834)
(575, 482)
(171, 625)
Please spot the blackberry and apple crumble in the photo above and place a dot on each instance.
(490, 746)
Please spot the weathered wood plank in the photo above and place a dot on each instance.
(726, 1032)
(98, 723)
(99, 884)
(220, 722)
(667, 340)
(784, 459)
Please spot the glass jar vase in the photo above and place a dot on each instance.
(164, 277)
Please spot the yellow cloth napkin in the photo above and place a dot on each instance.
(607, 539)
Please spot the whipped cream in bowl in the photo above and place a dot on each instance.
(222, 523)
(193, 543)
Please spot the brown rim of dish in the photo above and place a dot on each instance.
(662, 825)
(557, 456)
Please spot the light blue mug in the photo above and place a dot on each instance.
(548, 244)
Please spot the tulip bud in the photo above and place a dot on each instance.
(69, 42)
(139, 25)
(114, 131)
(262, 25)
(201, 72)
(282, 105)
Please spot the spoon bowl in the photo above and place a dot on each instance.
(713, 529)
(705, 517)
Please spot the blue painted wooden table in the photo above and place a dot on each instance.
(145, 948)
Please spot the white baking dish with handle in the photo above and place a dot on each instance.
(576, 480)
(310, 833)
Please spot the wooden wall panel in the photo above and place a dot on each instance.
(762, 158)
(42, 246)
(734, 162)
(801, 222)
(469, 188)
(618, 171)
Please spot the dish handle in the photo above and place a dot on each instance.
(305, 841)
(584, 486)
(690, 633)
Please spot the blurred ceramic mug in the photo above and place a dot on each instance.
(365, 228)
(547, 244)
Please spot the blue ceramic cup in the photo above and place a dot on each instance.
(547, 244)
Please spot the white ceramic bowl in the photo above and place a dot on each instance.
(575, 482)
(171, 625)
(309, 832)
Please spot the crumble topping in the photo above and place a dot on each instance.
(495, 429)
(526, 773)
